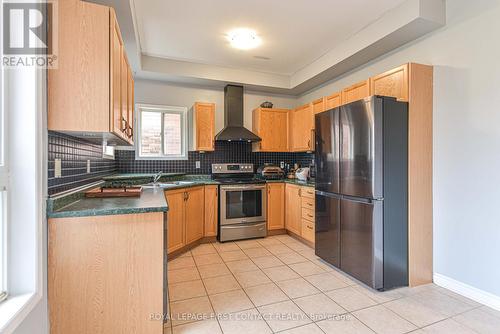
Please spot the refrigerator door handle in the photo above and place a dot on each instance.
(331, 195)
(361, 200)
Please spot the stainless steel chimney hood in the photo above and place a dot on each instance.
(233, 117)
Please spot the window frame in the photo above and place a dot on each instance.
(182, 111)
(4, 176)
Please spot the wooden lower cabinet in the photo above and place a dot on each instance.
(105, 273)
(175, 219)
(308, 230)
(293, 208)
(300, 211)
(185, 217)
(195, 214)
(275, 206)
(211, 210)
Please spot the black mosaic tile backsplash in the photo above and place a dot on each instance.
(74, 154)
(225, 152)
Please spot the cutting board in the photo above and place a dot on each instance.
(114, 192)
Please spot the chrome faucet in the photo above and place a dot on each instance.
(157, 177)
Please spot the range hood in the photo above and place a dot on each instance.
(233, 117)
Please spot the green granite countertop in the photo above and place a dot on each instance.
(294, 181)
(119, 177)
(151, 200)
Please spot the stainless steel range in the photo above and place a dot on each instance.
(242, 202)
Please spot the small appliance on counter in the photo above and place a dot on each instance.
(270, 172)
(302, 174)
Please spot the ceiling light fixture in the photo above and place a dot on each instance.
(244, 39)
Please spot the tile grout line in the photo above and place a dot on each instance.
(290, 299)
(232, 274)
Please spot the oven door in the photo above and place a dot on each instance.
(242, 204)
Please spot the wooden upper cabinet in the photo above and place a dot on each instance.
(391, 83)
(124, 96)
(117, 124)
(211, 210)
(204, 124)
(318, 105)
(333, 101)
(301, 129)
(88, 92)
(275, 206)
(195, 214)
(131, 104)
(271, 125)
(78, 90)
(356, 92)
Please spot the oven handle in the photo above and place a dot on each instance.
(249, 187)
(244, 225)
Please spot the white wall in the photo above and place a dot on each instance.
(156, 92)
(466, 56)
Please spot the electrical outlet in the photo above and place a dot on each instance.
(198, 165)
(88, 166)
(57, 168)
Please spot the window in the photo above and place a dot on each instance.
(3, 186)
(162, 132)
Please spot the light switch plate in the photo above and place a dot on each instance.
(57, 168)
(88, 166)
(198, 165)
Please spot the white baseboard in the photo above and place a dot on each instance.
(468, 291)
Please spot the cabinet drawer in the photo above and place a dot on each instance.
(307, 192)
(308, 203)
(308, 214)
(308, 230)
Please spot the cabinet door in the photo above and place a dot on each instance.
(356, 92)
(117, 121)
(78, 90)
(275, 206)
(211, 210)
(131, 105)
(175, 220)
(124, 74)
(195, 214)
(333, 101)
(308, 230)
(205, 126)
(318, 105)
(392, 83)
(301, 127)
(293, 209)
(272, 127)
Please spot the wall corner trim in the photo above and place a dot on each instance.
(468, 291)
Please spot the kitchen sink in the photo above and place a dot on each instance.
(167, 184)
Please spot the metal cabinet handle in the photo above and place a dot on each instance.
(124, 124)
(309, 227)
(309, 215)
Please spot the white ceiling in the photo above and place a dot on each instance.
(295, 33)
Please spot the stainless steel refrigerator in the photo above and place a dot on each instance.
(362, 190)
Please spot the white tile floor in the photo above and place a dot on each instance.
(277, 284)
